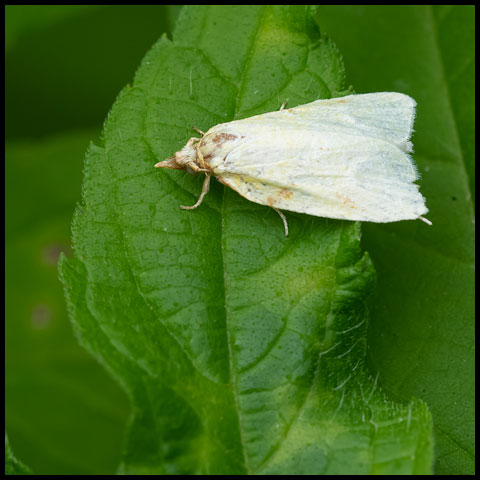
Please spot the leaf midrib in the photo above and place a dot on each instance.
(233, 377)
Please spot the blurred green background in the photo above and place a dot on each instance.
(64, 66)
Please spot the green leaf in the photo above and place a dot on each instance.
(12, 465)
(243, 351)
(56, 395)
(422, 334)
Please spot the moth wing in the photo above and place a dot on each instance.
(384, 115)
(335, 175)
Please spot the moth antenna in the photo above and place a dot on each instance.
(205, 189)
(423, 219)
(284, 220)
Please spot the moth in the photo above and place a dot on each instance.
(345, 158)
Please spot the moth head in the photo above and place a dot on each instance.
(183, 159)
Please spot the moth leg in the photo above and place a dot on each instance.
(426, 220)
(197, 169)
(198, 130)
(284, 220)
(283, 104)
(205, 189)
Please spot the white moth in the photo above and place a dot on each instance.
(344, 158)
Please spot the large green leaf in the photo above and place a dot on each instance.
(242, 350)
(422, 334)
